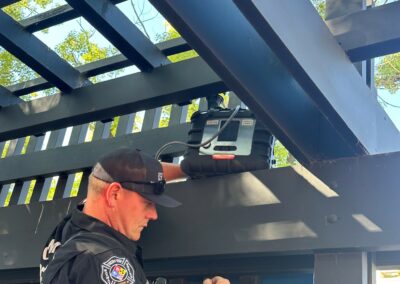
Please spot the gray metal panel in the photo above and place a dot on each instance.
(83, 156)
(45, 189)
(101, 130)
(370, 33)
(3, 193)
(39, 143)
(32, 144)
(56, 138)
(60, 188)
(37, 55)
(121, 32)
(323, 70)
(125, 124)
(333, 268)
(178, 114)
(16, 193)
(78, 134)
(24, 192)
(68, 186)
(37, 190)
(168, 84)
(82, 191)
(12, 147)
(151, 118)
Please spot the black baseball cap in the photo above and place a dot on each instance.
(135, 171)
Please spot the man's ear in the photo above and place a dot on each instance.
(112, 193)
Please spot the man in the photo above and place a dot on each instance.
(96, 243)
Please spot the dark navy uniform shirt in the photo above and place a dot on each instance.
(83, 249)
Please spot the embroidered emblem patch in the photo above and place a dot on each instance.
(117, 270)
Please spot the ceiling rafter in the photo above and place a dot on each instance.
(121, 32)
(173, 83)
(35, 54)
(101, 66)
(7, 98)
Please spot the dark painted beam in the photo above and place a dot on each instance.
(83, 156)
(37, 55)
(53, 17)
(7, 98)
(370, 33)
(359, 37)
(121, 32)
(30, 86)
(259, 78)
(115, 62)
(284, 212)
(173, 83)
(320, 66)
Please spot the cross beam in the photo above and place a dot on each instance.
(37, 55)
(121, 32)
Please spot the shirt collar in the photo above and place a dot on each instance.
(92, 224)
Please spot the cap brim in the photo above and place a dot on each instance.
(162, 199)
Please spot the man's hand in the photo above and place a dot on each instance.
(216, 280)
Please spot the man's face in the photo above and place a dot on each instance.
(134, 213)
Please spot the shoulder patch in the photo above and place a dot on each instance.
(117, 270)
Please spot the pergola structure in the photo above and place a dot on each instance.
(309, 81)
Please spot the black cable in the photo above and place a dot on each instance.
(162, 148)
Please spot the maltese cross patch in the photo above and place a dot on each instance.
(117, 270)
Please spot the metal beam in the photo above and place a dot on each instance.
(121, 32)
(322, 69)
(53, 17)
(359, 37)
(285, 211)
(259, 78)
(37, 55)
(112, 63)
(83, 156)
(7, 98)
(173, 83)
(370, 33)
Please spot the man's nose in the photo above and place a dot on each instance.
(153, 213)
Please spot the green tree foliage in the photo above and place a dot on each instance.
(388, 73)
(77, 48)
(320, 6)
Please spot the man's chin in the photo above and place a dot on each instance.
(135, 237)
